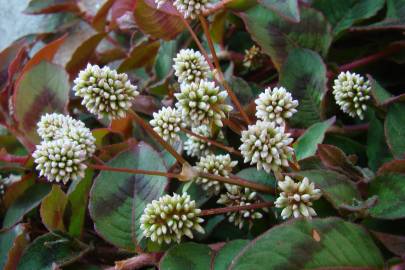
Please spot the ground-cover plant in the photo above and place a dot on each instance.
(197, 134)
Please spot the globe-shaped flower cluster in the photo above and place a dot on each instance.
(170, 218)
(105, 92)
(266, 145)
(240, 196)
(60, 160)
(275, 105)
(296, 198)
(214, 164)
(191, 8)
(66, 144)
(167, 123)
(202, 103)
(190, 66)
(352, 92)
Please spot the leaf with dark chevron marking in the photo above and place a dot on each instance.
(291, 246)
(277, 36)
(117, 199)
(304, 75)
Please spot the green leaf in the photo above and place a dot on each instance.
(163, 62)
(395, 129)
(304, 75)
(50, 6)
(187, 256)
(394, 19)
(343, 14)
(390, 189)
(311, 244)
(227, 253)
(161, 23)
(117, 200)
(51, 249)
(77, 204)
(377, 149)
(52, 209)
(335, 187)
(242, 90)
(277, 36)
(307, 144)
(12, 242)
(253, 175)
(286, 8)
(27, 201)
(13, 29)
(378, 92)
(42, 89)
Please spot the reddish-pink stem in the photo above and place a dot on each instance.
(217, 211)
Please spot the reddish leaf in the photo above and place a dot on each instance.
(78, 47)
(146, 104)
(6, 157)
(394, 243)
(6, 58)
(120, 8)
(122, 126)
(140, 56)
(334, 158)
(46, 53)
(99, 20)
(17, 188)
(42, 89)
(394, 166)
(157, 23)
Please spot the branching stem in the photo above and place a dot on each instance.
(218, 211)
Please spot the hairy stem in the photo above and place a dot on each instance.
(133, 171)
(223, 210)
(157, 137)
(229, 149)
(222, 80)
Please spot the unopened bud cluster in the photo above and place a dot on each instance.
(190, 66)
(266, 145)
(240, 196)
(105, 92)
(275, 105)
(202, 103)
(167, 123)
(214, 164)
(296, 198)
(66, 144)
(352, 92)
(170, 218)
(251, 58)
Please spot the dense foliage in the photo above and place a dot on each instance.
(197, 134)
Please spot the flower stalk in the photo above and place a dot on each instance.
(224, 210)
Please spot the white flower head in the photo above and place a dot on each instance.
(266, 145)
(214, 164)
(275, 105)
(296, 198)
(171, 217)
(105, 92)
(190, 66)
(167, 123)
(240, 196)
(60, 160)
(196, 147)
(58, 126)
(202, 103)
(352, 92)
(191, 8)
(51, 125)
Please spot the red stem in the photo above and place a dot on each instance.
(224, 210)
